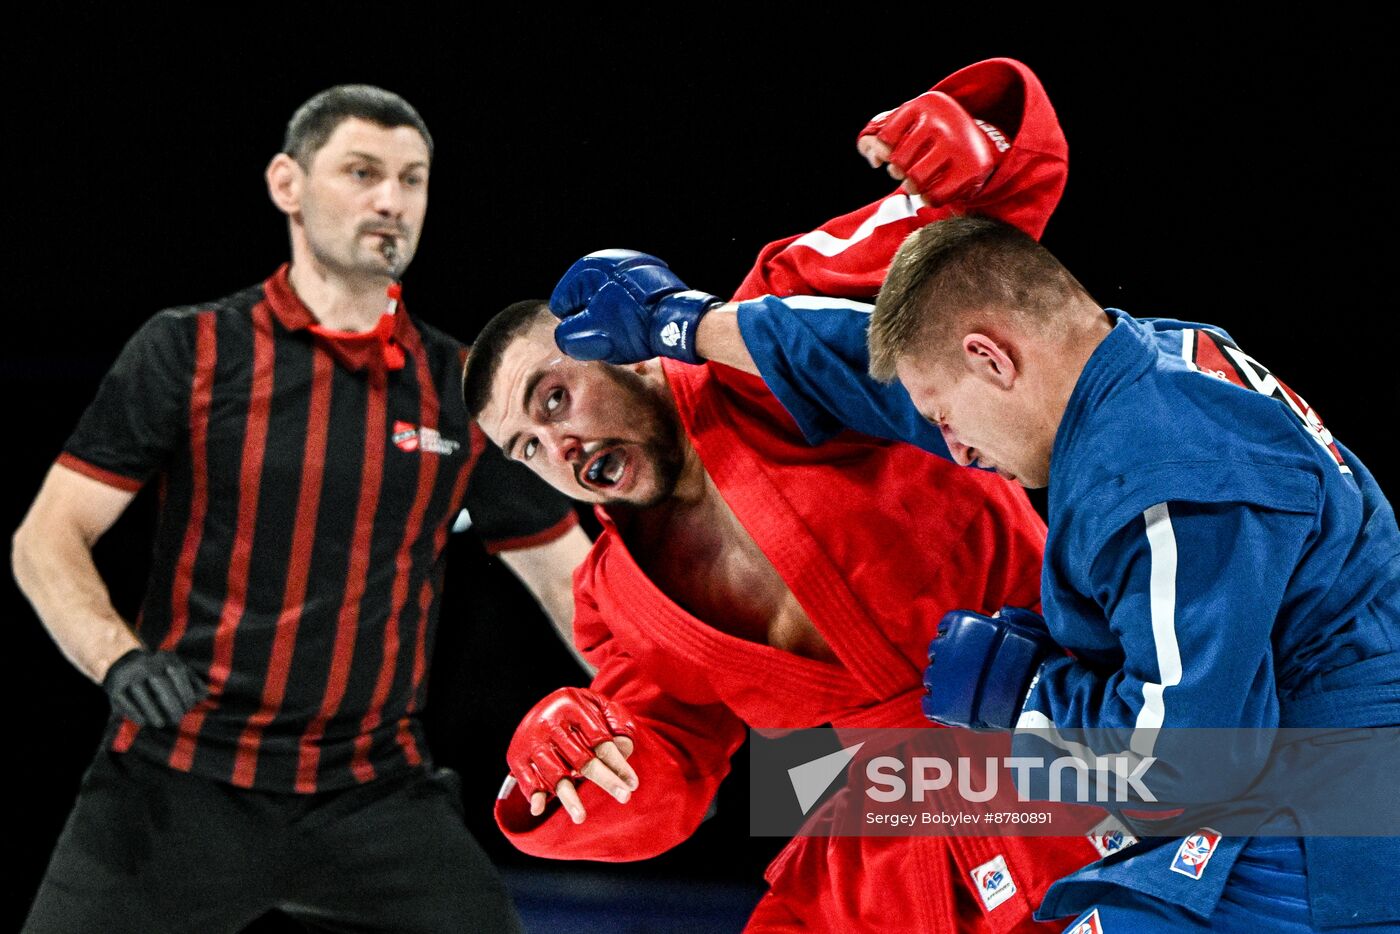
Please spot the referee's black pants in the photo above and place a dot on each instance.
(148, 849)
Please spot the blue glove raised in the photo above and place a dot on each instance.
(980, 667)
(622, 306)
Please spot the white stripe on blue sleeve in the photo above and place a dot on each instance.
(1161, 541)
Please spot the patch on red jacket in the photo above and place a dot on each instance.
(994, 882)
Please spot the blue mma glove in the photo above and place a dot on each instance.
(622, 306)
(980, 667)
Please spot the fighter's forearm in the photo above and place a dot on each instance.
(55, 571)
(717, 339)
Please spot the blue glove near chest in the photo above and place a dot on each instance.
(980, 667)
(621, 306)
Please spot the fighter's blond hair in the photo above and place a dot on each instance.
(948, 274)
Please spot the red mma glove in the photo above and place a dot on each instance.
(939, 149)
(566, 731)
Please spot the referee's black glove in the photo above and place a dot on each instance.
(153, 688)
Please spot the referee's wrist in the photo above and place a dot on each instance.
(116, 664)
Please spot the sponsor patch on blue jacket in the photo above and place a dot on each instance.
(1089, 925)
(1195, 852)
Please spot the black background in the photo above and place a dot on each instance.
(1239, 173)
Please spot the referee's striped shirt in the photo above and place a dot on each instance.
(308, 481)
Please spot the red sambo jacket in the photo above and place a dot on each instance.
(875, 540)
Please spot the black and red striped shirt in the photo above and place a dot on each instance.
(308, 482)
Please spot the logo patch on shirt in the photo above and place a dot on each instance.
(1195, 851)
(1109, 837)
(994, 882)
(1089, 925)
(409, 437)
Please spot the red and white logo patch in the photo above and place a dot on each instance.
(409, 437)
(1089, 925)
(1195, 852)
(405, 436)
(993, 882)
(1110, 837)
(1213, 355)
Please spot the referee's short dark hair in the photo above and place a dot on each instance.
(315, 121)
(490, 346)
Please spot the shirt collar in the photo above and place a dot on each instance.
(1124, 353)
(382, 345)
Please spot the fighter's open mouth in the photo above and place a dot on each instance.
(606, 468)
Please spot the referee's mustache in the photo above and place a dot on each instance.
(382, 228)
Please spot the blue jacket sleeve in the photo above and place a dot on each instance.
(1190, 593)
(812, 354)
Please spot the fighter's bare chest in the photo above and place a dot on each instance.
(704, 559)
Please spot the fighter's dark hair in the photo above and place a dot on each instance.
(490, 346)
(315, 121)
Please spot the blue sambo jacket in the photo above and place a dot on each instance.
(1215, 559)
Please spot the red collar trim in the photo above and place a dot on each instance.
(355, 350)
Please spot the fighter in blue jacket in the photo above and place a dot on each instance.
(1215, 558)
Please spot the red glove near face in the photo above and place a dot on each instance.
(942, 149)
(559, 735)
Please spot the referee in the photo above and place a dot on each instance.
(311, 450)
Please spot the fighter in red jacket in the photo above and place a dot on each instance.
(744, 577)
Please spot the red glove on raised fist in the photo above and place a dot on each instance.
(561, 734)
(940, 150)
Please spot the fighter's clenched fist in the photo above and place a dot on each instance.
(622, 306)
(573, 733)
(980, 668)
(937, 148)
